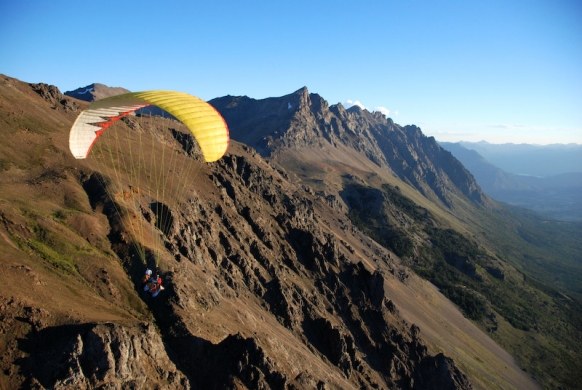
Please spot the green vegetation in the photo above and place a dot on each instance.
(367, 212)
(51, 256)
(401, 202)
(387, 235)
(4, 165)
(546, 249)
(53, 248)
(454, 286)
(51, 240)
(529, 302)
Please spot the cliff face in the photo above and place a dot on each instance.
(279, 259)
(302, 120)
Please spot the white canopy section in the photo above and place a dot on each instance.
(96, 118)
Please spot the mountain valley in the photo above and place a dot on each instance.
(558, 196)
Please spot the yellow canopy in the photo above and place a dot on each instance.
(206, 124)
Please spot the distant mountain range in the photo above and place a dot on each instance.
(530, 160)
(558, 195)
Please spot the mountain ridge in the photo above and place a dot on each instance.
(306, 120)
(531, 159)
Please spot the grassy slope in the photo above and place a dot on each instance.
(46, 220)
(524, 312)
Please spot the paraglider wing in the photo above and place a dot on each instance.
(206, 124)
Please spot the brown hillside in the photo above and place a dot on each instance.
(267, 282)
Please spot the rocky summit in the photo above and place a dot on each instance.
(268, 283)
(95, 91)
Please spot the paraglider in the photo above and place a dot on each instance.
(152, 283)
(146, 164)
(205, 123)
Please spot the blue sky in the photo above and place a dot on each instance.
(500, 71)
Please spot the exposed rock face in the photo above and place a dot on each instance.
(279, 254)
(301, 119)
(83, 356)
(53, 95)
(113, 357)
(443, 374)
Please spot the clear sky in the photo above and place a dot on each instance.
(500, 71)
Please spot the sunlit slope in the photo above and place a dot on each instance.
(65, 254)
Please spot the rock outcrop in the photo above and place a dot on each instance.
(51, 94)
(82, 356)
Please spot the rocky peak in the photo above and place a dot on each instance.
(95, 91)
(303, 95)
(356, 109)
